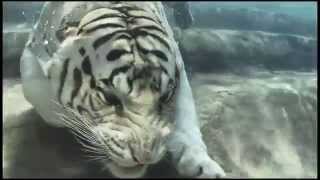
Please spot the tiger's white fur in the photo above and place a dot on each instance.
(122, 123)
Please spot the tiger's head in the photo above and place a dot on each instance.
(116, 80)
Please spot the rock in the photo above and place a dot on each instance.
(251, 19)
(259, 127)
(207, 50)
(13, 44)
(240, 18)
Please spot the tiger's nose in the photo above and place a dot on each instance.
(145, 158)
(142, 157)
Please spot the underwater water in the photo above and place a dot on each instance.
(252, 67)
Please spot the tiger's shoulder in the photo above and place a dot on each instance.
(59, 19)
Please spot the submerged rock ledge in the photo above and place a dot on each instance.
(252, 19)
(261, 126)
(207, 50)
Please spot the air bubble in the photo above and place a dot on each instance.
(24, 15)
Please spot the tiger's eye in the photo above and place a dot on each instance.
(114, 101)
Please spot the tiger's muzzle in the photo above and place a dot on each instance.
(133, 142)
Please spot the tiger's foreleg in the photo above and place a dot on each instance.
(186, 145)
(37, 89)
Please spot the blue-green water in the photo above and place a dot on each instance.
(305, 10)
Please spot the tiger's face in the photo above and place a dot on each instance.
(117, 78)
(135, 133)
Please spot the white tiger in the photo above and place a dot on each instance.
(113, 74)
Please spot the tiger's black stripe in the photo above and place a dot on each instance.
(170, 92)
(143, 32)
(86, 66)
(109, 97)
(101, 26)
(105, 16)
(116, 143)
(130, 84)
(113, 150)
(109, 81)
(146, 17)
(151, 27)
(92, 83)
(115, 54)
(124, 36)
(157, 53)
(63, 77)
(142, 49)
(77, 78)
(176, 72)
(82, 51)
(106, 82)
(104, 39)
(125, 9)
(164, 69)
(160, 39)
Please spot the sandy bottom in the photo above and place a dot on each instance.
(254, 127)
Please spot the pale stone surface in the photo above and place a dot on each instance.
(245, 18)
(258, 126)
(240, 17)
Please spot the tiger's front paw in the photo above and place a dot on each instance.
(195, 162)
